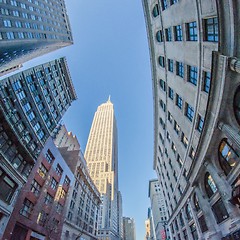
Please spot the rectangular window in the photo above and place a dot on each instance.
(35, 187)
(180, 161)
(42, 171)
(170, 65)
(168, 34)
(220, 211)
(192, 31)
(180, 69)
(164, 4)
(170, 93)
(200, 123)
(162, 85)
(211, 29)
(48, 199)
(173, 1)
(192, 75)
(7, 186)
(49, 156)
(179, 101)
(206, 81)
(174, 149)
(26, 208)
(59, 170)
(170, 117)
(178, 33)
(184, 140)
(194, 231)
(161, 61)
(10, 35)
(202, 224)
(189, 112)
(192, 153)
(67, 181)
(53, 184)
(42, 218)
(177, 128)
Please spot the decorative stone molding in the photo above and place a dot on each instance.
(234, 64)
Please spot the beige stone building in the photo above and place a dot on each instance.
(194, 51)
(101, 155)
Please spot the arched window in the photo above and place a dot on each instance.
(159, 36)
(236, 105)
(155, 11)
(228, 158)
(210, 185)
(188, 212)
(195, 201)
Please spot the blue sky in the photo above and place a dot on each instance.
(110, 57)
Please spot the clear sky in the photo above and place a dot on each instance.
(110, 57)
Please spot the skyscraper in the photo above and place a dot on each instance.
(30, 29)
(129, 229)
(102, 159)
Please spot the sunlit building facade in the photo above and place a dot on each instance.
(29, 29)
(194, 51)
(101, 155)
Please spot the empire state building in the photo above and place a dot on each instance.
(101, 155)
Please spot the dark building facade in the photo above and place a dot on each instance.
(30, 29)
(40, 207)
(32, 103)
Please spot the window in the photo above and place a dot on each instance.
(206, 81)
(48, 199)
(178, 33)
(211, 29)
(168, 34)
(200, 123)
(195, 201)
(162, 85)
(173, 1)
(177, 128)
(179, 101)
(10, 35)
(174, 149)
(194, 231)
(53, 184)
(42, 218)
(236, 104)
(35, 187)
(180, 161)
(170, 93)
(42, 171)
(180, 69)
(184, 140)
(155, 11)
(164, 4)
(192, 31)
(59, 170)
(7, 23)
(192, 75)
(66, 181)
(189, 112)
(161, 61)
(159, 36)
(26, 208)
(220, 211)
(49, 156)
(188, 212)
(228, 158)
(202, 224)
(192, 153)
(181, 220)
(170, 117)
(163, 105)
(170, 65)
(7, 186)
(185, 235)
(210, 185)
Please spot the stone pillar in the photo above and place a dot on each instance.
(230, 133)
(225, 191)
(214, 233)
(195, 218)
(234, 64)
(186, 224)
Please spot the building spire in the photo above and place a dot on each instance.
(109, 98)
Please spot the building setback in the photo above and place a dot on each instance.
(101, 155)
(80, 220)
(129, 231)
(194, 48)
(32, 103)
(29, 29)
(40, 207)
